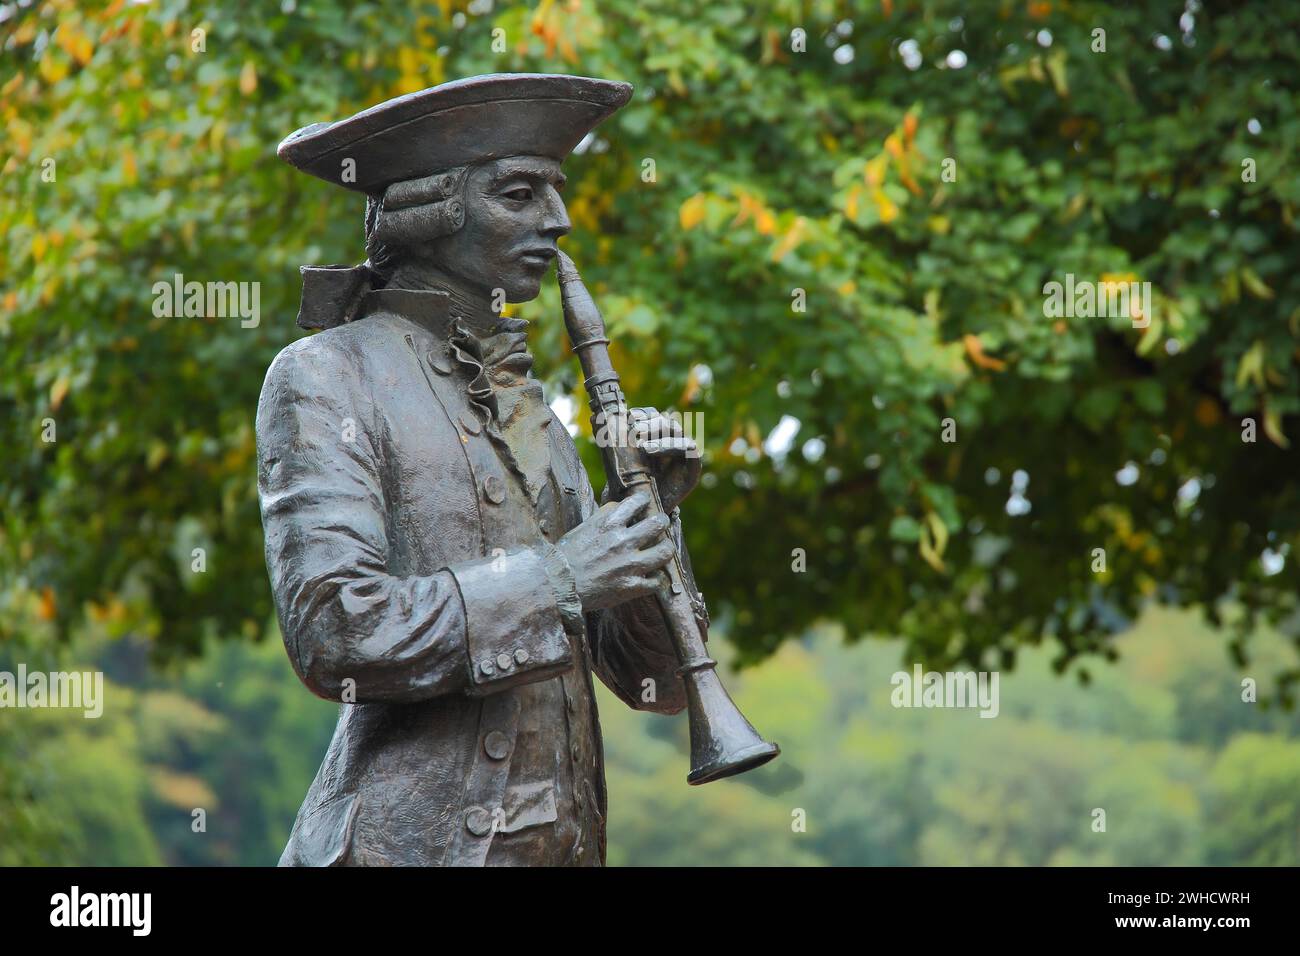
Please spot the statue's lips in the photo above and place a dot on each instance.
(539, 258)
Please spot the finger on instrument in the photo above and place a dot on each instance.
(630, 507)
(655, 556)
(647, 532)
(670, 445)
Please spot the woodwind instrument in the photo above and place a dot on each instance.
(723, 742)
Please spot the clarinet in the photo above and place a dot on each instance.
(723, 742)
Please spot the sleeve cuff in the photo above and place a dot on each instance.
(514, 631)
(565, 587)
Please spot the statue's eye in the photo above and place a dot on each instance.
(522, 194)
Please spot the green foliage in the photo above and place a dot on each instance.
(1257, 810)
(71, 788)
(773, 171)
(234, 733)
(886, 786)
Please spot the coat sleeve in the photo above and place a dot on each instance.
(349, 626)
(630, 646)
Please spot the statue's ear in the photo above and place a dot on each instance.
(417, 210)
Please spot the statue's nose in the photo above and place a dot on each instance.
(555, 223)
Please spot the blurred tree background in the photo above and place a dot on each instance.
(1185, 772)
(826, 227)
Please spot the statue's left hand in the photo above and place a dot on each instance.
(668, 454)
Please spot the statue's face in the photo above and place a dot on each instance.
(513, 216)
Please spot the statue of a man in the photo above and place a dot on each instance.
(439, 561)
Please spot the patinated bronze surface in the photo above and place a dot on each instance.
(439, 561)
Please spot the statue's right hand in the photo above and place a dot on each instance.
(616, 554)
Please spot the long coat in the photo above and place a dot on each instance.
(401, 574)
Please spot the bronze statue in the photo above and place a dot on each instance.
(439, 561)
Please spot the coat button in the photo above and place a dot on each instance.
(439, 363)
(521, 656)
(478, 820)
(496, 745)
(487, 667)
(494, 490)
(504, 661)
(469, 421)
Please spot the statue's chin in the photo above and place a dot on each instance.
(524, 291)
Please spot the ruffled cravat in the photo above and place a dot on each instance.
(512, 404)
(491, 350)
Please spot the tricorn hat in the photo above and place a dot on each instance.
(465, 121)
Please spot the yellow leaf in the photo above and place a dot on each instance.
(566, 49)
(875, 171)
(939, 530)
(542, 27)
(791, 239)
(182, 790)
(129, 171)
(1250, 367)
(1254, 284)
(887, 208)
(48, 609)
(1273, 427)
(1056, 70)
(851, 202)
(39, 245)
(1117, 278)
(52, 68)
(1152, 336)
(975, 349)
(408, 68)
(75, 43)
(248, 78)
(58, 391)
(745, 208)
(692, 212)
(934, 538)
(909, 127)
(436, 71)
